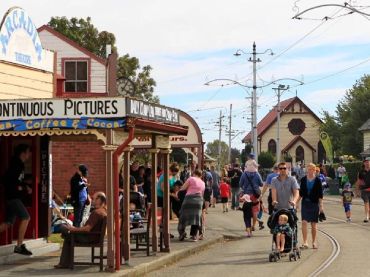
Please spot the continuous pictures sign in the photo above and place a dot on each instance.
(152, 111)
(70, 108)
(20, 42)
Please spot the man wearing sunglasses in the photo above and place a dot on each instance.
(284, 189)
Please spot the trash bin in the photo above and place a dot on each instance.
(333, 186)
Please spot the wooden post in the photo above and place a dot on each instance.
(154, 206)
(166, 200)
(126, 204)
(109, 148)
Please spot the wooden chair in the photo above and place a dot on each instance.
(98, 243)
(139, 233)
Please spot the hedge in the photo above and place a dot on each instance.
(352, 169)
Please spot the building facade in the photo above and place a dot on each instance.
(299, 132)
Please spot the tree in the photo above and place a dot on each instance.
(83, 32)
(352, 112)
(212, 150)
(266, 159)
(332, 128)
(178, 155)
(245, 152)
(235, 155)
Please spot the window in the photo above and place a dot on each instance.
(296, 126)
(299, 154)
(271, 147)
(76, 74)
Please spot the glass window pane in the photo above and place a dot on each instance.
(70, 70)
(70, 86)
(82, 71)
(82, 86)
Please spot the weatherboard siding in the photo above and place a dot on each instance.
(65, 50)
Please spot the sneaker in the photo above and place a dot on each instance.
(21, 249)
(182, 236)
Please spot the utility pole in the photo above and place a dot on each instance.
(254, 101)
(279, 90)
(219, 142)
(231, 107)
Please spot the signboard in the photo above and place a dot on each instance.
(20, 42)
(71, 108)
(56, 123)
(142, 109)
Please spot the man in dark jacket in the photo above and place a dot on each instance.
(79, 193)
(13, 193)
(234, 176)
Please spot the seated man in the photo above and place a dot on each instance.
(93, 224)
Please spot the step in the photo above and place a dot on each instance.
(38, 248)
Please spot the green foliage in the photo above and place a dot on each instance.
(352, 112)
(352, 169)
(235, 154)
(266, 159)
(287, 158)
(245, 152)
(332, 128)
(178, 155)
(212, 150)
(83, 32)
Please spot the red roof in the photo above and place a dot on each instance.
(271, 117)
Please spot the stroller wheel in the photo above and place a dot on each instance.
(291, 257)
(295, 257)
(298, 254)
(271, 257)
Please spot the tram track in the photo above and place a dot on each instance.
(334, 254)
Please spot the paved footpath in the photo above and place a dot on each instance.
(235, 254)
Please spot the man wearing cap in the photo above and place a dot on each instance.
(79, 193)
(363, 184)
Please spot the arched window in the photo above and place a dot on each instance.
(271, 146)
(299, 154)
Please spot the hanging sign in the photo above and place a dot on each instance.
(146, 110)
(20, 42)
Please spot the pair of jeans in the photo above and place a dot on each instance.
(78, 211)
(235, 197)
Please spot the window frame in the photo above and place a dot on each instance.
(275, 145)
(72, 59)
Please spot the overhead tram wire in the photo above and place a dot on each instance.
(323, 21)
(335, 73)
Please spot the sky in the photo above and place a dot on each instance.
(189, 43)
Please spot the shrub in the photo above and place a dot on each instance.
(352, 169)
(266, 160)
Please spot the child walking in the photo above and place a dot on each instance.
(347, 195)
(225, 194)
(281, 231)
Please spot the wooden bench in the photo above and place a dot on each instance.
(99, 243)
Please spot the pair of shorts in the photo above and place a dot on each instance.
(160, 202)
(207, 195)
(347, 207)
(224, 199)
(15, 208)
(365, 195)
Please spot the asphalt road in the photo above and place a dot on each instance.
(250, 255)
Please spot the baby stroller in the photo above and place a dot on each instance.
(291, 242)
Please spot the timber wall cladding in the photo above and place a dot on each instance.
(19, 82)
(69, 151)
(65, 50)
